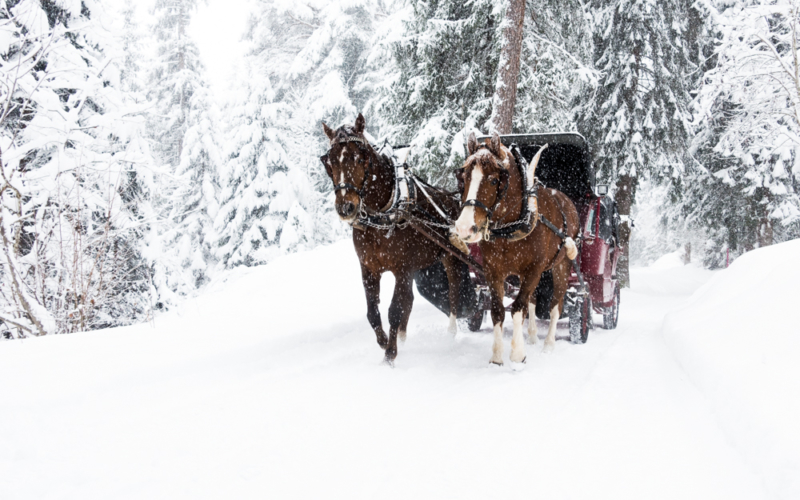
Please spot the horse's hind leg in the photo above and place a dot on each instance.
(529, 282)
(399, 311)
(372, 288)
(560, 274)
(533, 334)
(454, 282)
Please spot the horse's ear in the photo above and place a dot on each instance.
(472, 144)
(328, 131)
(495, 146)
(360, 124)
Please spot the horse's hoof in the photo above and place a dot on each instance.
(495, 364)
(388, 362)
(548, 348)
(533, 340)
(401, 336)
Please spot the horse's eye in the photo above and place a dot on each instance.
(494, 182)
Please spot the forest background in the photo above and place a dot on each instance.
(130, 183)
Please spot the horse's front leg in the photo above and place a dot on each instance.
(399, 311)
(451, 266)
(372, 288)
(498, 315)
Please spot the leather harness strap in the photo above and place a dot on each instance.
(361, 146)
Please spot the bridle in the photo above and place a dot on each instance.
(502, 189)
(529, 215)
(362, 146)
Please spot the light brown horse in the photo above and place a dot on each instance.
(364, 183)
(493, 195)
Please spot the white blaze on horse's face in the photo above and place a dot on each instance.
(465, 225)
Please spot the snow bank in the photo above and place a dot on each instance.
(739, 341)
(669, 276)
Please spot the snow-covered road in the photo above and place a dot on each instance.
(254, 392)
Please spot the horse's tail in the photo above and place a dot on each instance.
(571, 223)
(572, 248)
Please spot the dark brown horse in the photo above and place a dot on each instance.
(364, 183)
(493, 196)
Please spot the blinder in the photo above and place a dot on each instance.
(327, 163)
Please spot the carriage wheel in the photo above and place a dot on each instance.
(475, 321)
(579, 318)
(611, 313)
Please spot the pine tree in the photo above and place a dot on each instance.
(505, 91)
(448, 63)
(745, 186)
(324, 62)
(183, 248)
(636, 118)
(266, 200)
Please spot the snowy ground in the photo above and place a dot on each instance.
(271, 386)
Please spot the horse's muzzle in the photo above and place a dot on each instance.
(346, 210)
(468, 234)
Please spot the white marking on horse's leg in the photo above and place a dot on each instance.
(452, 329)
(466, 220)
(517, 343)
(550, 341)
(497, 347)
(401, 335)
(341, 178)
(533, 337)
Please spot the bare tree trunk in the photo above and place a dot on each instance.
(625, 194)
(764, 231)
(505, 93)
(24, 300)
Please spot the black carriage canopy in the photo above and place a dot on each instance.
(565, 165)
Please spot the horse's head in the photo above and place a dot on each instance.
(348, 163)
(485, 177)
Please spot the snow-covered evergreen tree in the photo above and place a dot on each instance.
(184, 135)
(636, 118)
(265, 200)
(447, 62)
(745, 185)
(448, 59)
(324, 61)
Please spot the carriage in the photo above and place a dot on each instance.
(566, 166)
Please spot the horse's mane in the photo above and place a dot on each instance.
(488, 162)
(346, 131)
